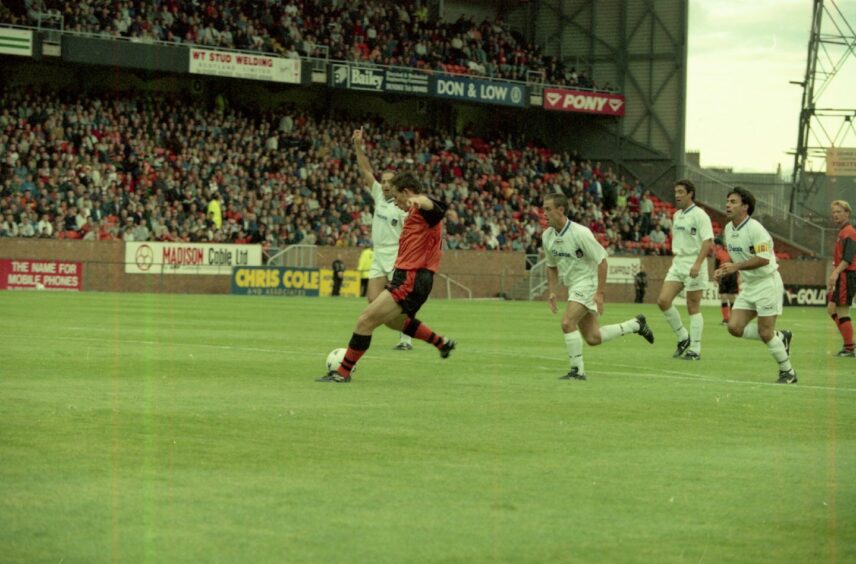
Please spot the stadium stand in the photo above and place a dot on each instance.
(144, 167)
(368, 31)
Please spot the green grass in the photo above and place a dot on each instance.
(189, 428)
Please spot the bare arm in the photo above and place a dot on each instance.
(752, 263)
(602, 269)
(362, 160)
(702, 256)
(732, 267)
(552, 284)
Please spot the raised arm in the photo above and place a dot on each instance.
(420, 201)
(362, 160)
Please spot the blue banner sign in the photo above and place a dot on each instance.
(372, 79)
(407, 82)
(275, 281)
(477, 90)
(357, 78)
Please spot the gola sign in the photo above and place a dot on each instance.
(601, 103)
(798, 295)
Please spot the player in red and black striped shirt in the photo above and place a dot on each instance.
(728, 285)
(841, 286)
(419, 252)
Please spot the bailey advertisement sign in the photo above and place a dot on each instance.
(413, 82)
(373, 79)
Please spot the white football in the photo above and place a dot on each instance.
(335, 358)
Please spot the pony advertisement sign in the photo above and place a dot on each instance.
(586, 102)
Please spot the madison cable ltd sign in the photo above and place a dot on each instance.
(189, 258)
(580, 101)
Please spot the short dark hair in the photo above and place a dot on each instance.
(558, 200)
(746, 197)
(407, 180)
(688, 184)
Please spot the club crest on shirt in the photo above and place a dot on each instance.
(693, 231)
(579, 253)
(394, 222)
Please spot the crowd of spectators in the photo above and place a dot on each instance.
(369, 31)
(147, 167)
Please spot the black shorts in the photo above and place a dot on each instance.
(728, 284)
(845, 289)
(411, 288)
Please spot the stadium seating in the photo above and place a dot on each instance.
(73, 158)
(368, 31)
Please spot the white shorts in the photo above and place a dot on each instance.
(680, 272)
(383, 264)
(585, 297)
(764, 297)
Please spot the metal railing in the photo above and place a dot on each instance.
(538, 279)
(713, 191)
(319, 63)
(452, 282)
(297, 256)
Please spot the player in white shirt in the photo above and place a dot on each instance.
(692, 237)
(575, 258)
(387, 222)
(751, 249)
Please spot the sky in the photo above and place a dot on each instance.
(742, 113)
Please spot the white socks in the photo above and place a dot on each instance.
(777, 348)
(610, 332)
(696, 328)
(674, 320)
(574, 344)
(751, 332)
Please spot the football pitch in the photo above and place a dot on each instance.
(166, 428)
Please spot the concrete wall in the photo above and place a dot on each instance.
(486, 273)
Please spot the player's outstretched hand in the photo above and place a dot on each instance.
(724, 270)
(552, 300)
(357, 136)
(598, 302)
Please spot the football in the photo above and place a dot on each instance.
(335, 358)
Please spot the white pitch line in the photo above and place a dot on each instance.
(661, 373)
(677, 375)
